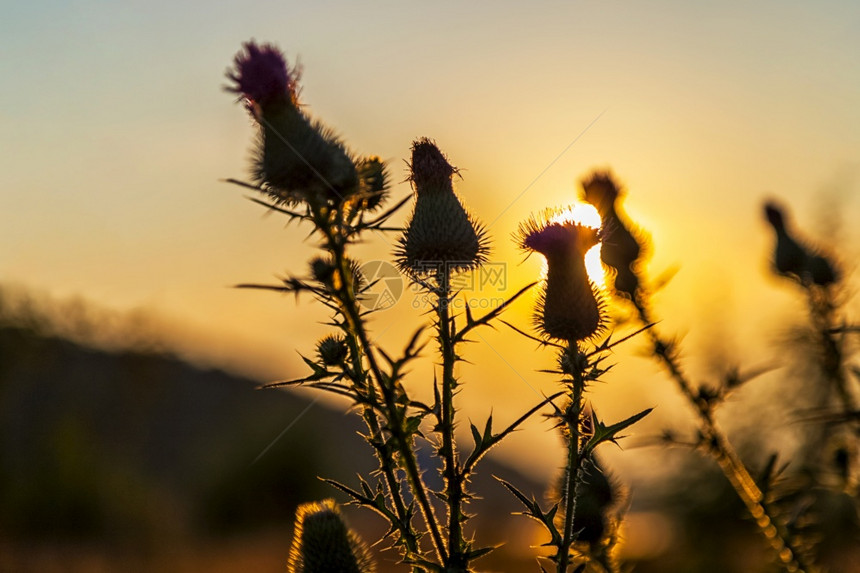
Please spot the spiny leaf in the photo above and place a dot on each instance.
(534, 511)
(603, 433)
(606, 345)
(480, 552)
(540, 341)
(472, 323)
(483, 443)
(476, 435)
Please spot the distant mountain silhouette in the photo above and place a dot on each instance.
(141, 446)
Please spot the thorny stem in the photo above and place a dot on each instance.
(380, 446)
(347, 297)
(573, 469)
(383, 451)
(730, 463)
(457, 559)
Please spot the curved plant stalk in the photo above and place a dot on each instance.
(394, 412)
(722, 451)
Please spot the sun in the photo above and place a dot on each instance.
(586, 215)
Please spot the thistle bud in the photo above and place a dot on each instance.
(569, 308)
(373, 181)
(324, 271)
(596, 499)
(332, 350)
(297, 159)
(620, 250)
(323, 543)
(440, 231)
(793, 259)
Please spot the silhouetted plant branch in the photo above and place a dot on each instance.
(622, 253)
(304, 172)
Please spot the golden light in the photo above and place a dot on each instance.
(587, 215)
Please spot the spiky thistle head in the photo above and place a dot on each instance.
(323, 543)
(597, 498)
(373, 181)
(440, 232)
(569, 308)
(261, 75)
(325, 272)
(332, 350)
(297, 159)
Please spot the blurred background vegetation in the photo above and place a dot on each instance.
(124, 457)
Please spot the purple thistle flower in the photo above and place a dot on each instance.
(261, 75)
(569, 308)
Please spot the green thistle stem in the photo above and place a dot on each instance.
(349, 304)
(573, 468)
(383, 452)
(457, 559)
(730, 463)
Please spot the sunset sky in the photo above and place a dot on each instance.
(116, 133)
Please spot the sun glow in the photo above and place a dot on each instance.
(587, 215)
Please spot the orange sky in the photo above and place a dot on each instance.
(115, 134)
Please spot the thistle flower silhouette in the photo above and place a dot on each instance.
(262, 76)
(332, 350)
(569, 308)
(440, 231)
(596, 500)
(374, 183)
(297, 159)
(323, 543)
(793, 259)
(620, 250)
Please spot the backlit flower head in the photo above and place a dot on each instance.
(261, 75)
(324, 542)
(569, 308)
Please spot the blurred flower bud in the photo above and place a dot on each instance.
(373, 181)
(620, 249)
(322, 269)
(789, 257)
(440, 232)
(332, 350)
(793, 259)
(569, 308)
(596, 498)
(821, 270)
(601, 190)
(323, 543)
